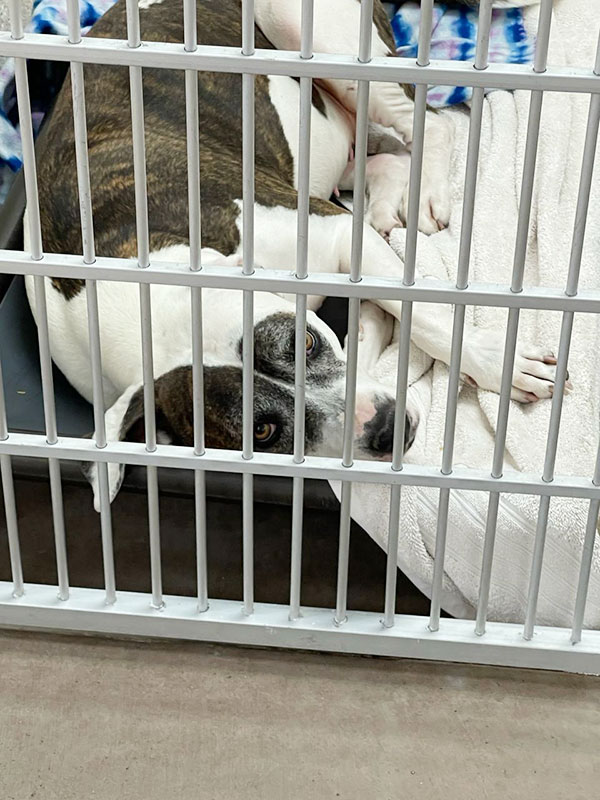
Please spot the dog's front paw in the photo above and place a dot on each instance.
(534, 374)
(534, 371)
(434, 204)
(384, 217)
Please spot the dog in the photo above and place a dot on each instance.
(336, 26)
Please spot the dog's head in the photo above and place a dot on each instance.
(274, 392)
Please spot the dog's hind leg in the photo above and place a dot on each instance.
(336, 30)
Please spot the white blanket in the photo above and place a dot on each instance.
(574, 38)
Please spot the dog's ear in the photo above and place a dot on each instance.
(124, 421)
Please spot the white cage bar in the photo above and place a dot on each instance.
(408, 279)
(27, 605)
(195, 239)
(304, 134)
(533, 127)
(34, 229)
(358, 211)
(462, 280)
(89, 256)
(143, 247)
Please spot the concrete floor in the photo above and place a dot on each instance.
(91, 718)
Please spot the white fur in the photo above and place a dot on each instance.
(330, 140)
(336, 30)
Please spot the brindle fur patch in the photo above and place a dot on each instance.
(110, 146)
(273, 403)
(70, 287)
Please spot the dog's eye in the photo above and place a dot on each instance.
(264, 433)
(311, 343)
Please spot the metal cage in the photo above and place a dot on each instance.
(115, 612)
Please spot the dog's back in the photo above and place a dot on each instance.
(110, 144)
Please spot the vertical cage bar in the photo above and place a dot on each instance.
(462, 280)
(304, 135)
(408, 278)
(341, 602)
(35, 244)
(592, 520)
(358, 221)
(200, 475)
(581, 213)
(143, 248)
(12, 526)
(195, 239)
(201, 547)
(586, 559)
(10, 506)
(248, 150)
(512, 327)
(150, 434)
(89, 256)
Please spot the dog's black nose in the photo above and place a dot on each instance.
(379, 431)
(410, 431)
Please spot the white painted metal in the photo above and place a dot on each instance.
(512, 327)
(358, 211)
(36, 254)
(195, 239)
(304, 133)
(267, 280)
(136, 614)
(167, 55)
(408, 279)
(89, 256)
(143, 247)
(462, 280)
(270, 626)
(248, 149)
(585, 184)
(35, 445)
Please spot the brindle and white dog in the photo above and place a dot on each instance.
(336, 25)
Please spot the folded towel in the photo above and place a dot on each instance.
(575, 28)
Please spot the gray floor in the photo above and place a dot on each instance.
(89, 718)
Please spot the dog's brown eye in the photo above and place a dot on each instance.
(264, 432)
(311, 343)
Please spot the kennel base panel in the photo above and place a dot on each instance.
(272, 522)
(269, 626)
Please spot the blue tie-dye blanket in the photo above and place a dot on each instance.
(454, 37)
(49, 16)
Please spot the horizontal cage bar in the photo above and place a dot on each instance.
(270, 626)
(512, 482)
(423, 290)
(166, 55)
